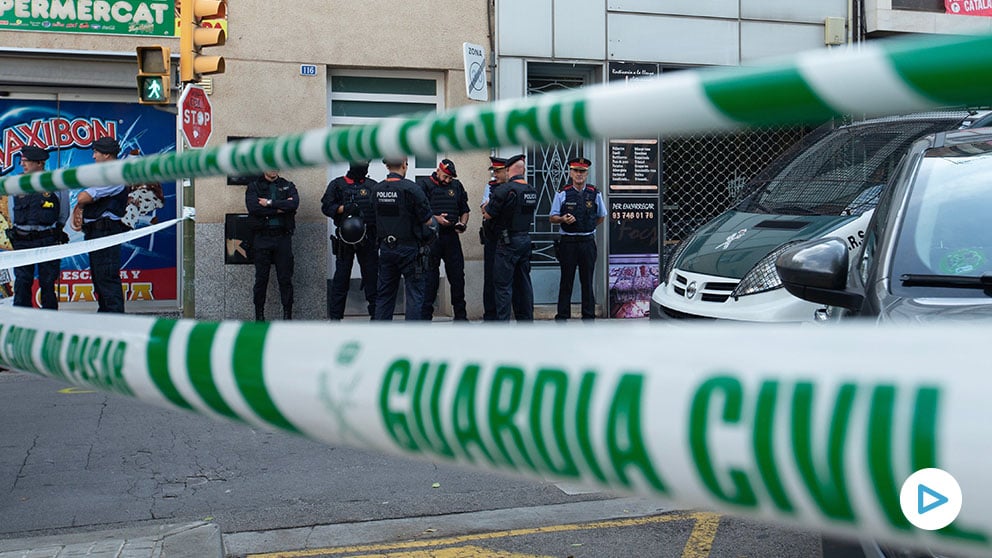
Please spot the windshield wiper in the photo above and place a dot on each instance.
(948, 281)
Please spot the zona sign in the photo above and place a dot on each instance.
(196, 116)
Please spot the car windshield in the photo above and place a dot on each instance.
(841, 174)
(945, 238)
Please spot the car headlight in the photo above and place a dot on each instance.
(676, 255)
(763, 276)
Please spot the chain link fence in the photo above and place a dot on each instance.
(703, 175)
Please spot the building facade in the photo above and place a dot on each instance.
(315, 63)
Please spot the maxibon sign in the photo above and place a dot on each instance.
(789, 434)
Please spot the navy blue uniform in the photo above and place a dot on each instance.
(273, 226)
(577, 246)
(401, 209)
(512, 207)
(38, 222)
(450, 200)
(355, 195)
(102, 218)
(487, 235)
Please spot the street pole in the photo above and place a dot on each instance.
(188, 199)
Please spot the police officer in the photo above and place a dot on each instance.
(38, 221)
(579, 209)
(449, 202)
(512, 207)
(350, 196)
(403, 219)
(487, 236)
(272, 202)
(98, 214)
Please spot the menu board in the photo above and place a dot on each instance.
(634, 166)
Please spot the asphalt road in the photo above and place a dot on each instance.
(74, 459)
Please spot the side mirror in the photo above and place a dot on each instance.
(817, 271)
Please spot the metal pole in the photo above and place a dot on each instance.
(186, 199)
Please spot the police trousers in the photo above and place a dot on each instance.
(400, 260)
(368, 262)
(576, 252)
(273, 247)
(447, 247)
(48, 273)
(511, 278)
(105, 268)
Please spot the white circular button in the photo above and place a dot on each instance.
(930, 499)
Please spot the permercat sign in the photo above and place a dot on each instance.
(108, 17)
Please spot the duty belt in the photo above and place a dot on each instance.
(577, 237)
(103, 224)
(32, 235)
(392, 241)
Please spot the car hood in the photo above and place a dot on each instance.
(732, 243)
(904, 310)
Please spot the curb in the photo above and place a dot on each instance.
(164, 541)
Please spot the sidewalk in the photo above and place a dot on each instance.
(164, 541)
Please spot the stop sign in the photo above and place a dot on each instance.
(195, 115)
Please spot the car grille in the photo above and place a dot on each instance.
(712, 291)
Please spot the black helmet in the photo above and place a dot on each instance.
(352, 230)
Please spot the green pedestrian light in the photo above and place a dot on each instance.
(152, 89)
(154, 80)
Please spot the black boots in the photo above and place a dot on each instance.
(287, 313)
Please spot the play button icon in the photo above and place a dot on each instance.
(930, 499)
(925, 494)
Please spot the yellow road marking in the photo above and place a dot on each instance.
(72, 390)
(700, 539)
(455, 552)
(702, 536)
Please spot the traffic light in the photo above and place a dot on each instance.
(154, 80)
(195, 34)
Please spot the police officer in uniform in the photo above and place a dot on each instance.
(403, 219)
(578, 208)
(350, 196)
(98, 214)
(449, 202)
(38, 220)
(272, 202)
(512, 207)
(487, 236)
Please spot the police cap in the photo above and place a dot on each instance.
(512, 160)
(447, 166)
(579, 163)
(107, 145)
(32, 153)
(496, 163)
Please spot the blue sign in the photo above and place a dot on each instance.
(308, 70)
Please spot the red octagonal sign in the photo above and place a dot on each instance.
(195, 114)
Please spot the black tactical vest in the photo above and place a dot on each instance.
(581, 204)
(116, 204)
(36, 210)
(522, 215)
(393, 218)
(359, 193)
(442, 197)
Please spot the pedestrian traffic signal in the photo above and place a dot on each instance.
(154, 79)
(194, 34)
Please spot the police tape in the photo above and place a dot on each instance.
(31, 256)
(880, 78)
(765, 421)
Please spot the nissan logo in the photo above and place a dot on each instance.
(690, 291)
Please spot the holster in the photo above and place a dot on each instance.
(423, 258)
(482, 236)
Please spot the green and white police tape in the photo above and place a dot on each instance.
(763, 421)
(878, 78)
